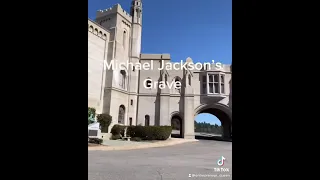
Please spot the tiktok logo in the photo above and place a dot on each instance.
(220, 161)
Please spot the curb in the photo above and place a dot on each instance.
(142, 146)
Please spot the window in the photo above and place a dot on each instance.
(147, 120)
(124, 39)
(130, 121)
(178, 85)
(166, 78)
(131, 102)
(215, 84)
(121, 114)
(133, 68)
(204, 84)
(148, 83)
(210, 83)
(189, 79)
(222, 83)
(122, 79)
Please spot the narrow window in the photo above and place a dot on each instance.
(147, 120)
(124, 39)
(204, 84)
(216, 83)
(222, 83)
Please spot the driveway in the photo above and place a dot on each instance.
(196, 160)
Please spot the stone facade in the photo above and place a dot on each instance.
(122, 93)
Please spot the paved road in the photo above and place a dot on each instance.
(165, 163)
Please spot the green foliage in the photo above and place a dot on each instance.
(150, 132)
(95, 140)
(136, 139)
(207, 128)
(115, 137)
(118, 129)
(91, 113)
(105, 121)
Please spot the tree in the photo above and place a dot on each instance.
(91, 114)
(105, 121)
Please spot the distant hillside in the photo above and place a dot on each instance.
(207, 127)
(200, 127)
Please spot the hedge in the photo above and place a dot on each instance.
(142, 132)
(95, 140)
(117, 130)
(150, 132)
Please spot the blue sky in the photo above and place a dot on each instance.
(199, 29)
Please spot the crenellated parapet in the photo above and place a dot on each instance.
(97, 30)
(114, 9)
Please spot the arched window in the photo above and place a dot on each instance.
(96, 31)
(91, 28)
(165, 78)
(123, 79)
(124, 39)
(147, 120)
(189, 79)
(121, 114)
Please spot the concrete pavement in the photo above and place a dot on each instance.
(129, 145)
(164, 163)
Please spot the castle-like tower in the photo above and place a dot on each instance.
(134, 56)
(124, 45)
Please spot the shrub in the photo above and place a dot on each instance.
(91, 113)
(118, 129)
(115, 137)
(95, 140)
(136, 139)
(105, 121)
(150, 132)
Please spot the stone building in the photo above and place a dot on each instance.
(125, 92)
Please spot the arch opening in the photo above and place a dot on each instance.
(213, 124)
(177, 126)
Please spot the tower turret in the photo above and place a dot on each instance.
(136, 11)
(134, 56)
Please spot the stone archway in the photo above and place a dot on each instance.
(222, 112)
(177, 126)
